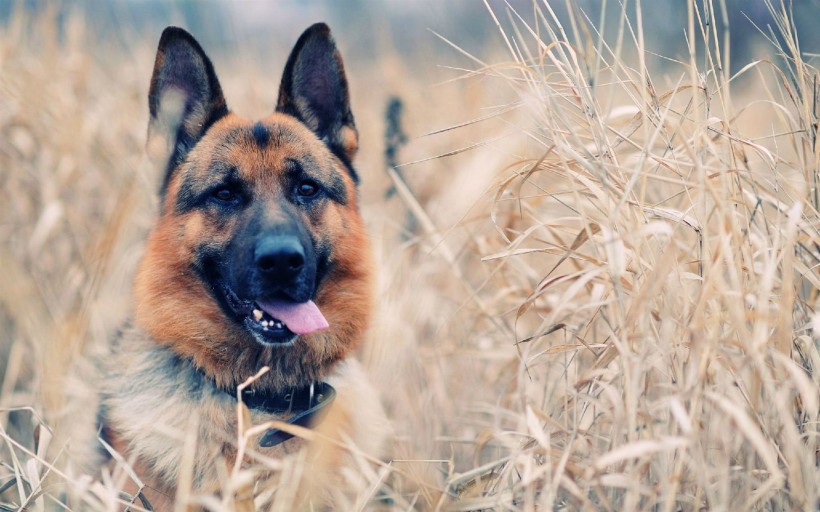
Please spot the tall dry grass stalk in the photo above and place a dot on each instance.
(655, 257)
(606, 303)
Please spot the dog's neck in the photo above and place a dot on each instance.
(308, 406)
(303, 405)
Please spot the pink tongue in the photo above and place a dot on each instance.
(303, 318)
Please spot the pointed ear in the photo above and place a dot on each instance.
(184, 100)
(314, 90)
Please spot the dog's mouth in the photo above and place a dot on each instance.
(275, 322)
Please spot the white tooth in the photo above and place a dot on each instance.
(279, 325)
(265, 323)
(257, 314)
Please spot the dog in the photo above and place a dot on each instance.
(258, 266)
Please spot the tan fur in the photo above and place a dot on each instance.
(151, 432)
(166, 383)
(167, 296)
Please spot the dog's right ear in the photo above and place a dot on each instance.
(184, 100)
(314, 90)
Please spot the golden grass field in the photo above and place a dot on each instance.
(598, 277)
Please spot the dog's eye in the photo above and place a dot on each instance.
(225, 195)
(307, 188)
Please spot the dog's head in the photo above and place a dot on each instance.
(259, 256)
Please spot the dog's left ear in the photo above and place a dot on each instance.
(314, 90)
(184, 100)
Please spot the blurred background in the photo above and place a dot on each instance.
(376, 28)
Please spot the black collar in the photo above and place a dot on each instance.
(308, 405)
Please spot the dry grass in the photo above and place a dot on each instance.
(608, 304)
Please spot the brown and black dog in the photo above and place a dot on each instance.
(259, 258)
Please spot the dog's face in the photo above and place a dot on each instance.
(259, 256)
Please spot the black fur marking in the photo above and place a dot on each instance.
(191, 197)
(314, 90)
(187, 198)
(207, 269)
(261, 134)
(105, 432)
(323, 264)
(182, 65)
(184, 144)
(334, 188)
(232, 280)
(348, 165)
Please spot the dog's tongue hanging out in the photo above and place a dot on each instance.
(301, 318)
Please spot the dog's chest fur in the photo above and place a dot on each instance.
(152, 400)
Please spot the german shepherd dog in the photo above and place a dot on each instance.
(259, 258)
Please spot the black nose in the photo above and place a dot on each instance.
(279, 256)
